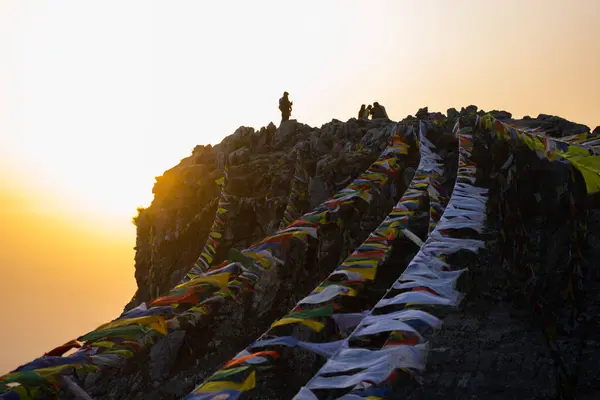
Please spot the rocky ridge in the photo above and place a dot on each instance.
(475, 352)
(261, 164)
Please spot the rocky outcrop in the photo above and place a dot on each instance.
(494, 346)
(261, 170)
(203, 347)
(172, 231)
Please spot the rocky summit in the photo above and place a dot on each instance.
(441, 256)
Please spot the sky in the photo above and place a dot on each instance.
(98, 98)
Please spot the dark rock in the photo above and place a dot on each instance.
(240, 138)
(318, 191)
(422, 113)
(436, 116)
(375, 136)
(286, 130)
(260, 141)
(452, 113)
(239, 156)
(471, 109)
(501, 114)
(203, 154)
(560, 127)
(164, 354)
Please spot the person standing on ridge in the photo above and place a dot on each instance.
(285, 106)
(378, 111)
(362, 113)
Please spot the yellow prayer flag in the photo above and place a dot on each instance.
(260, 258)
(376, 244)
(372, 262)
(314, 325)
(588, 165)
(217, 386)
(104, 343)
(366, 273)
(218, 280)
(51, 373)
(198, 310)
(576, 151)
(155, 322)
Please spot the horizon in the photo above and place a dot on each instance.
(98, 99)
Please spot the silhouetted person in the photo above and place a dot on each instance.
(378, 111)
(362, 111)
(369, 112)
(285, 106)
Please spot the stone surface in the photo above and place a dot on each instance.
(239, 156)
(164, 354)
(318, 191)
(452, 113)
(501, 114)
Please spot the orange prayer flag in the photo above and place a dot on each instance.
(231, 363)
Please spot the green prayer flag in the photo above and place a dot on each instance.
(324, 311)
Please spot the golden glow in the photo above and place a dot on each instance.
(97, 98)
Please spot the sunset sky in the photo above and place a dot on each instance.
(98, 98)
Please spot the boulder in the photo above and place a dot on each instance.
(322, 163)
(452, 113)
(501, 114)
(316, 144)
(318, 191)
(239, 156)
(422, 113)
(164, 354)
(286, 131)
(472, 109)
(203, 154)
(436, 116)
(372, 136)
(240, 138)
(560, 127)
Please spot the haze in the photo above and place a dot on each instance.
(98, 98)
